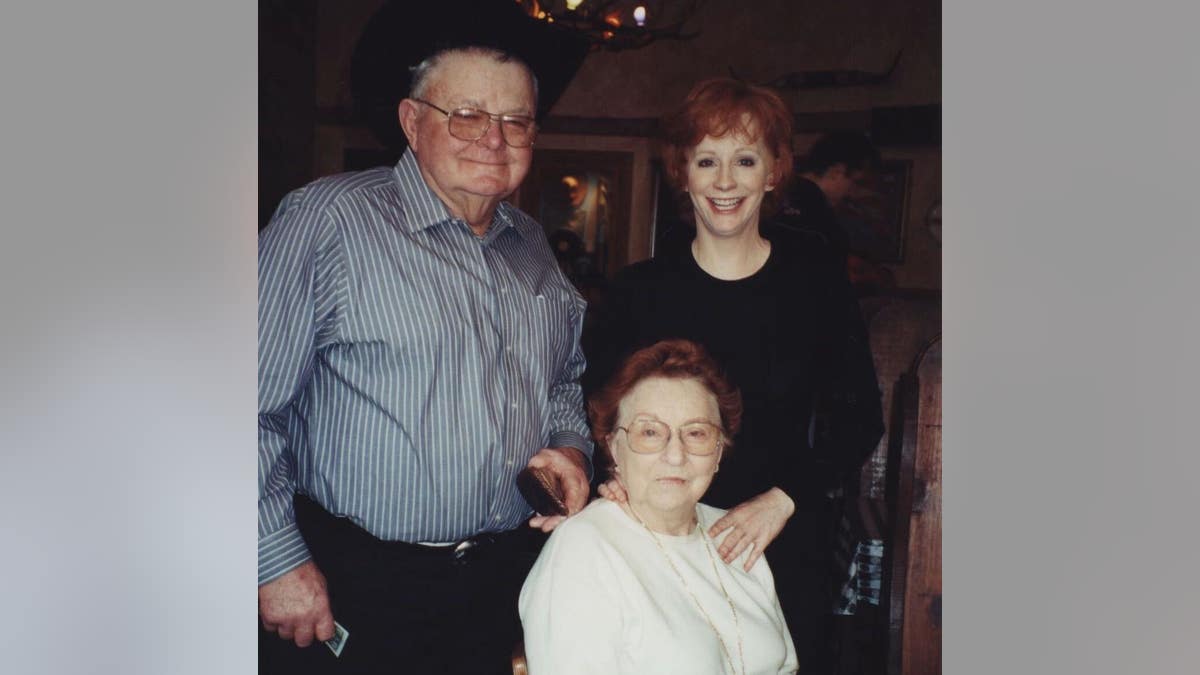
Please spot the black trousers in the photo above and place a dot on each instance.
(410, 608)
(800, 562)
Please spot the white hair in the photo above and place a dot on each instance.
(421, 73)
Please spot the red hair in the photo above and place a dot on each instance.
(674, 359)
(721, 105)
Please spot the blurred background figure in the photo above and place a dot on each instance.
(839, 167)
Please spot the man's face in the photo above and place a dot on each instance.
(838, 183)
(469, 172)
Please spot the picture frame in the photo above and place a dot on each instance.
(581, 199)
(592, 197)
(874, 215)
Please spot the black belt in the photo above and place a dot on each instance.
(315, 522)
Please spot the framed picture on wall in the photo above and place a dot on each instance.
(583, 199)
(873, 215)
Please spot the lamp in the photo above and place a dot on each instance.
(614, 25)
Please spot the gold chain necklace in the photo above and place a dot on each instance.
(712, 559)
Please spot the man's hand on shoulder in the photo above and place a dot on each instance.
(296, 606)
(569, 465)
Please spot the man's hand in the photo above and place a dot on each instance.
(756, 521)
(296, 606)
(569, 466)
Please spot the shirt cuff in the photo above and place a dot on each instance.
(571, 439)
(281, 552)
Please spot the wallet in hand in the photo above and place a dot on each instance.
(540, 488)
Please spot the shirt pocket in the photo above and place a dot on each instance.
(553, 318)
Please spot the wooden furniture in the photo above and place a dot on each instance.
(913, 558)
(897, 497)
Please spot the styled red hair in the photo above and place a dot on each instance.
(721, 105)
(675, 359)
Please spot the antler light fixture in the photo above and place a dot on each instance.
(614, 25)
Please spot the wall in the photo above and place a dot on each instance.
(758, 41)
(761, 41)
(286, 56)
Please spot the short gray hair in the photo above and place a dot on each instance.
(421, 73)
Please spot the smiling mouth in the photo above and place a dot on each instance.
(727, 204)
(487, 162)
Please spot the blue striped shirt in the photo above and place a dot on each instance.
(408, 369)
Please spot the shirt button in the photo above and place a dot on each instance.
(514, 406)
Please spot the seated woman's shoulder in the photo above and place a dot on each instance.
(709, 514)
(599, 520)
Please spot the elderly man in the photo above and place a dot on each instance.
(418, 347)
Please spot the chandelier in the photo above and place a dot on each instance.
(615, 25)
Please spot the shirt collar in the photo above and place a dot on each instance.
(424, 209)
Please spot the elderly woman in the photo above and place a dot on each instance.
(637, 586)
(775, 309)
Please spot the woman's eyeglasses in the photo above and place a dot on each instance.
(647, 437)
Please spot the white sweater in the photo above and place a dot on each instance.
(601, 598)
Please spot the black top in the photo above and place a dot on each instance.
(790, 336)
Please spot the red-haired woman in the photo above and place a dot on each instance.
(777, 312)
(636, 586)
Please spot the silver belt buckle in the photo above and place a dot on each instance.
(465, 545)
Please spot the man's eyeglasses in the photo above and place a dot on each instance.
(647, 437)
(470, 124)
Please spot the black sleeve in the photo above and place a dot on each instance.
(605, 343)
(848, 401)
